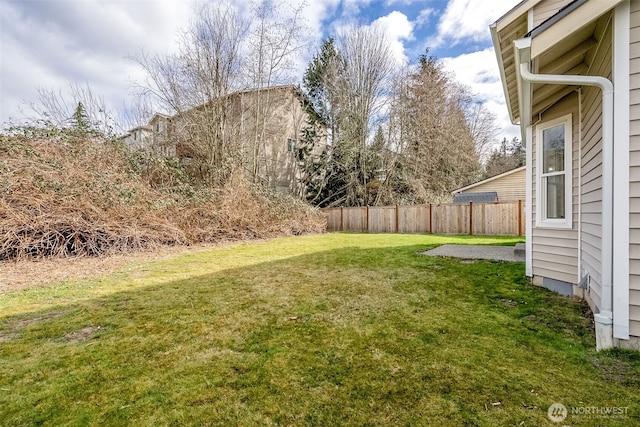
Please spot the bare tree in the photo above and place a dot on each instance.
(369, 63)
(194, 85)
(483, 127)
(430, 124)
(218, 86)
(348, 83)
(77, 106)
(274, 42)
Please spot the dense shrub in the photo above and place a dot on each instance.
(73, 195)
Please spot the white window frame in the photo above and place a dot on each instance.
(541, 196)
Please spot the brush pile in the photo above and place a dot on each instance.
(82, 197)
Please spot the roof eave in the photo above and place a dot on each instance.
(503, 77)
(515, 12)
(566, 23)
(484, 181)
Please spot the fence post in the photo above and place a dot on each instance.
(397, 220)
(430, 219)
(368, 231)
(470, 218)
(341, 219)
(519, 217)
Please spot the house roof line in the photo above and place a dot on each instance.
(509, 16)
(555, 18)
(147, 126)
(484, 181)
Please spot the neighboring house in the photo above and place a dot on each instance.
(571, 77)
(139, 137)
(264, 124)
(509, 186)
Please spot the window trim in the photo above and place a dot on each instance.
(541, 208)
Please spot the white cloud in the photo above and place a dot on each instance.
(398, 28)
(48, 44)
(470, 20)
(479, 71)
(390, 3)
(424, 16)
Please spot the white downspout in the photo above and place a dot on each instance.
(580, 189)
(603, 319)
(528, 140)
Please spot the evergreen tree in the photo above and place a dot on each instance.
(439, 149)
(80, 120)
(509, 155)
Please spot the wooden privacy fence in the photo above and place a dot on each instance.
(496, 219)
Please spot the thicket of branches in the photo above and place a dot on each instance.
(63, 193)
(398, 134)
(222, 52)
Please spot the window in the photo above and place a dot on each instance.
(291, 145)
(553, 204)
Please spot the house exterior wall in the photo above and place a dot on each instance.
(603, 51)
(591, 170)
(263, 127)
(555, 250)
(269, 123)
(160, 130)
(634, 171)
(138, 138)
(510, 187)
(546, 9)
(557, 253)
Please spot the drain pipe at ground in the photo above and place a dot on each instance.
(604, 318)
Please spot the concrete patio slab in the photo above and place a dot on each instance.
(500, 253)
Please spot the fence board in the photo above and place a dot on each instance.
(414, 219)
(382, 219)
(355, 219)
(501, 219)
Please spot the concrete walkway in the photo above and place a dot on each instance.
(501, 253)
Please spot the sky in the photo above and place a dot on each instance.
(50, 44)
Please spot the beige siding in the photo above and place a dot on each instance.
(634, 172)
(591, 163)
(271, 116)
(546, 9)
(555, 251)
(510, 187)
(260, 122)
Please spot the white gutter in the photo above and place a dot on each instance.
(603, 319)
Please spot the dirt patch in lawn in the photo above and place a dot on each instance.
(14, 328)
(35, 320)
(82, 334)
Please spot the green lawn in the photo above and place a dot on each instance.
(338, 329)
